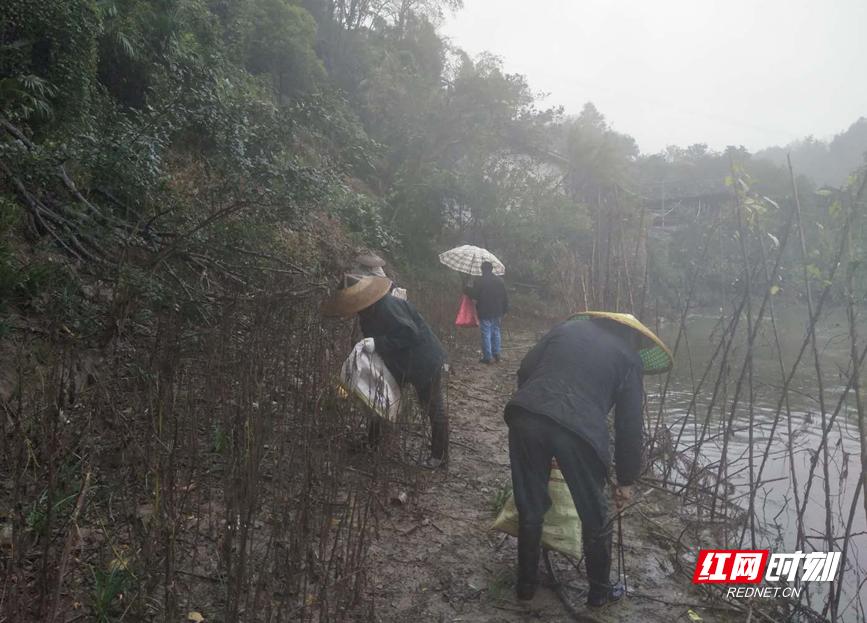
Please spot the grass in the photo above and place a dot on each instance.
(109, 586)
(500, 497)
(501, 585)
(37, 516)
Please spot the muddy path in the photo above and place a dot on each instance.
(436, 559)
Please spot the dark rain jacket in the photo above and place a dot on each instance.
(575, 375)
(404, 340)
(489, 292)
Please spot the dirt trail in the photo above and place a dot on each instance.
(437, 560)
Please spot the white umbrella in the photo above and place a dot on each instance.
(468, 259)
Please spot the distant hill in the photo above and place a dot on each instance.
(827, 163)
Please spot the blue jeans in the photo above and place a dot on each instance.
(490, 337)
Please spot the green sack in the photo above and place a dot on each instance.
(562, 528)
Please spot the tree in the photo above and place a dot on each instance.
(595, 157)
(48, 60)
(277, 38)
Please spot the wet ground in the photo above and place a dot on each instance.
(436, 558)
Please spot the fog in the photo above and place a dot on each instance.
(681, 72)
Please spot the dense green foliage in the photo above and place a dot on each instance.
(232, 120)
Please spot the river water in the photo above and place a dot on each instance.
(775, 499)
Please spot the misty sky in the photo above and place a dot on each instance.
(744, 72)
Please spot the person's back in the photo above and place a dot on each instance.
(489, 292)
(575, 375)
(404, 340)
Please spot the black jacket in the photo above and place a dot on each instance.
(574, 375)
(404, 340)
(489, 292)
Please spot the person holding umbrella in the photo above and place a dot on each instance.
(489, 292)
(567, 384)
(492, 303)
(407, 345)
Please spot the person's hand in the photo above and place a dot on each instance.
(622, 497)
(369, 346)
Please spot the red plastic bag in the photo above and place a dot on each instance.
(467, 313)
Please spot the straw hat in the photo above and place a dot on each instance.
(352, 299)
(655, 355)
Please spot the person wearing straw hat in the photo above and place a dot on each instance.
(407, 345)
(567, 384)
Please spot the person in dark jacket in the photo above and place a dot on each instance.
(492, 303)
(407, 345)
(567, 384)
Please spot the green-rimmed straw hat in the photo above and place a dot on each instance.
(655, 355)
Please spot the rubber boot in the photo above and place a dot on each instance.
(600, 596)
(597, 559)
(529, 550)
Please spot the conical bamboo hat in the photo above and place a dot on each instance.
(655, 355)
(352, 299)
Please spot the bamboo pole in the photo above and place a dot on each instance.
(851, 316)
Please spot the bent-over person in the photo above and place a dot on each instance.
(407, 345)
(567, 384)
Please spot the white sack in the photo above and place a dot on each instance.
(366, 376)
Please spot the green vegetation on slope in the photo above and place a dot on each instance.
(226, 119)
